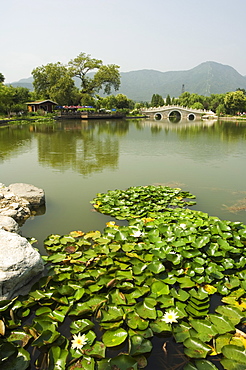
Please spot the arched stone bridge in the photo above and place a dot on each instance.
(177, 113)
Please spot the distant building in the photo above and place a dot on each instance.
(45, 105)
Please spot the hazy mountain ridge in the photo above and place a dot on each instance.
(205, 79)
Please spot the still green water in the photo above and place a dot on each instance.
(74, 160)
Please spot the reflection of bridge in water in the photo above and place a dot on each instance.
(178, 126)
(176, 113)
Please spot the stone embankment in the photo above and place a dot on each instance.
(19, 261)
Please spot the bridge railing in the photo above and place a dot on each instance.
(168, 107)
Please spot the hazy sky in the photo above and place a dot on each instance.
(165, 35)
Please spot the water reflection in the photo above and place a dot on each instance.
(91, 146)
(82, 151)
(13, 141)
(157, 126)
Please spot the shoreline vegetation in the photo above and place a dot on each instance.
(46, 119)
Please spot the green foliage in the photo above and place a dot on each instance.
(168, 100)
(2, 78)
(197, 105)
(220, 110)
(13, 99)
(87, 100)
(157, 100)
(105, 77)
(118, 102)
(235, 102)
(140, 201)
(191, 100)
(196, 101)
(117, 288)
(53, 81)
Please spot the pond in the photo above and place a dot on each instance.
(74, 160)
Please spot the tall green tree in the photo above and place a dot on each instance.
(122, 102)
(13, 99)
(184, 99)
(54, 81)
(235, 102)
(215, 101)
(168, 100)
(105, 77)
(157, 100)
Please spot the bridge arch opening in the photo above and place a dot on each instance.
(191, 117)
(174, 116)
(158, 116)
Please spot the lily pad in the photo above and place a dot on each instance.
(112, 338)
(195, 348)
(139, 345)
(235, 353)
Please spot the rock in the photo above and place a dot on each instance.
(9, 212)
(9, 224)
(9, 195)
(33, 195)
(19, 263)
(20, 201)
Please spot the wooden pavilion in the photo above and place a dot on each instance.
(45, 105)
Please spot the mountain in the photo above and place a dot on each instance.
(24, 82)
(205, 79)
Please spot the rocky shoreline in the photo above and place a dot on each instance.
(20, 263)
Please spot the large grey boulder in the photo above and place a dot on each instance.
(19, 263)
(31, 193)
(9, 224)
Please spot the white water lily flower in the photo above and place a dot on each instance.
(79, 341)
(136, 233)
(170, 317)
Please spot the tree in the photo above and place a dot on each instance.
(235, 102)
(220, 110)
(184, 99)
(243, 90)
(195, 98)
(53, 81)
(105, 77)
(122, 102)
(108, 102)
(13, 99)
(168, 100)
(21, 95)
(187, 99)
(87, 100)
(174, 101)
(157, 100)
(215, 101)
(2, 78)
(197, 105)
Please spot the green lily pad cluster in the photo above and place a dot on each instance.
(158, 275)
(140, 201)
